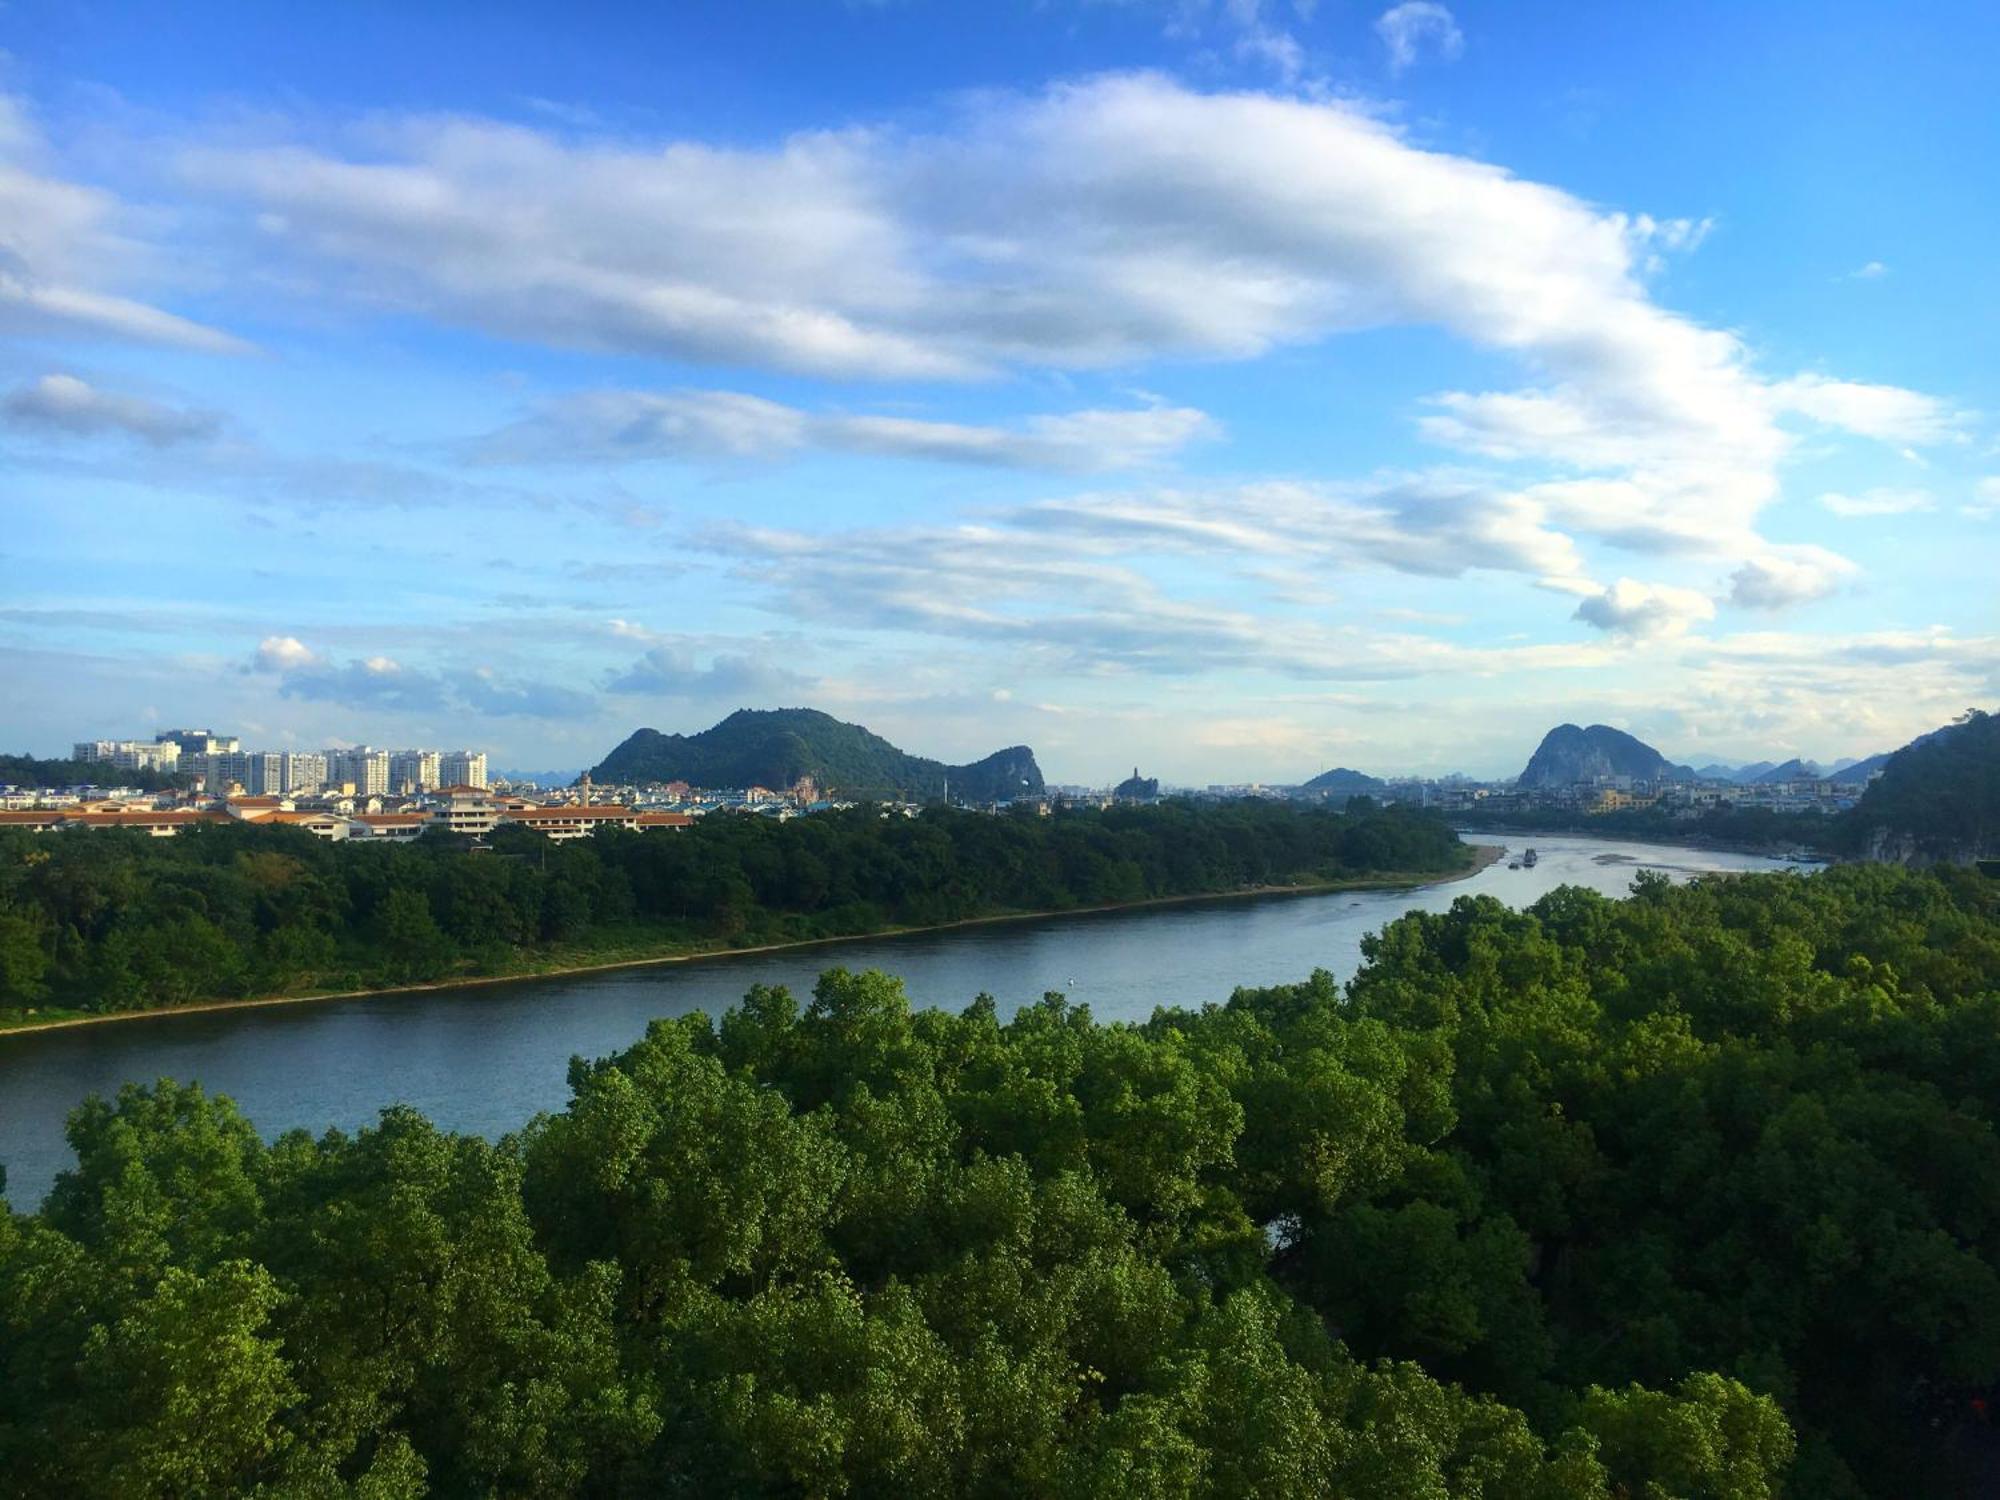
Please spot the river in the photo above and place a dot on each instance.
(487, 1058)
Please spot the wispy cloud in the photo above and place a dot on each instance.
(634, 426)
(1878, 502)
(66, 254)
(1415, 27)
(67, 406)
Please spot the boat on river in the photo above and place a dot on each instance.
(1529, 860)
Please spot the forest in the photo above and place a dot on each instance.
(104, 921)
(1694, 1194)
(29, 771)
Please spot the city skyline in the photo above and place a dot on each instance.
(1245, 388)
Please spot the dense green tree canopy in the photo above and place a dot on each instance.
(111, 921)
(1695, 1194)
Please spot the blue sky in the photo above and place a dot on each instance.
(1238, 389)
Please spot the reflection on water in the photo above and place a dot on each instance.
(489, 1057)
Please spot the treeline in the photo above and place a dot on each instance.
(1694, 1195)
(1753, 827)
(106, 921)
(28, 771)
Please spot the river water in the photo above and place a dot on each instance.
(486, 1058)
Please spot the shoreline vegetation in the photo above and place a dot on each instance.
(1687, 1193)
(110, 923)
(1484, 855)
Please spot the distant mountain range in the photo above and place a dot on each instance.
(1568, 754)
(538, 778)
(1846, 770)
(775, 747)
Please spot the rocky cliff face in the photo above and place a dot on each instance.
(1569, 754)
(1001, 776)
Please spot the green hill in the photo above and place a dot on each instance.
(1342, 782)
(775, 747)
(1937, 799)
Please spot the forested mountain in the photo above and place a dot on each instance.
(1569, 754)
(1342, 780)
(775, 747)
(1688, 1195)
(1938, 798)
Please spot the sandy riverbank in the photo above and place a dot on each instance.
(1483, 855)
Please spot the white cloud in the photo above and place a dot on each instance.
(1645, 610)
(65, 248)
(1877, 502)
(632, 426)
(1427, 525)
(65, 404)
(1087, 606)
(1408, 29)
(1887, 413)
(1784, 576)
(381, 684)
(1874, 270)
(1096, 223)
(279, 653)
(1988, 503)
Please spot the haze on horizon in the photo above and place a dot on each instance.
(1236, 388)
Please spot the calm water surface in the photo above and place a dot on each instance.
(488, 1057)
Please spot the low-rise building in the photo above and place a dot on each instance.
(325, 825)
(466, 810)
(647, 821)
(38, 820)
(572, 822)
(389, 827)
(158, 823)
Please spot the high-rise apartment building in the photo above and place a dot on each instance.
(365, 769)
(218, 770)
(199, 741)
(305, 771)
(264, 773)
(129, 755)
(413, 771)
(462, 768)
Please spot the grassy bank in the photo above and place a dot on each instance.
(641, 945)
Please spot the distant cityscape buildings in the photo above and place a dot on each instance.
(218, 762)
(383, 796)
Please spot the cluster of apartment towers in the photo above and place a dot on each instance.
(217, 762)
